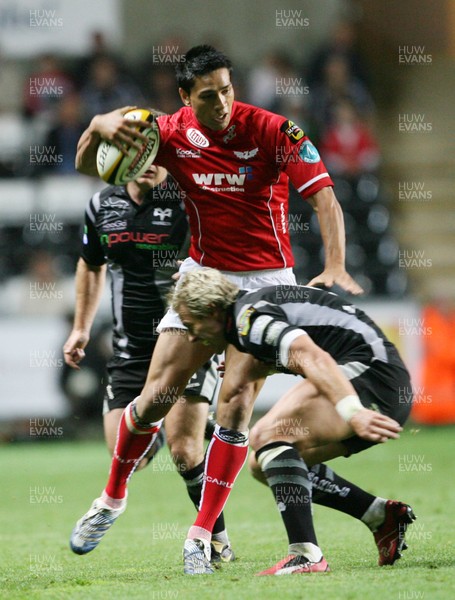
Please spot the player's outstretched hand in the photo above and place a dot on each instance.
(374, 427)
(73, 349)
(121, 132)
(339, 276)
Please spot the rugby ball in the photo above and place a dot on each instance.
(117, 168)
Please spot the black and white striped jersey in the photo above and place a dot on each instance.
(265, 322)
(141, 245)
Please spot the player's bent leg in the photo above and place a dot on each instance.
(111, 423)
(133, 441)
(386, 519)
(287, 476)
(174, 361)
(227, 452)
(255, 469)
(185, 428)
(196, 552)
(124, 385)
(274, 439)
(301, 416)
(243, 379)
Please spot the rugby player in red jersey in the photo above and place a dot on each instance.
(234, 162)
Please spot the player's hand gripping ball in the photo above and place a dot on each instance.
(117, 168)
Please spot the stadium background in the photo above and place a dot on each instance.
(398, 209)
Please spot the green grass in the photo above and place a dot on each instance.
(46, 487)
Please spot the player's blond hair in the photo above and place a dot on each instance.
(202, 290)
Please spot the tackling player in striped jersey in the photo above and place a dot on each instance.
(352, 397)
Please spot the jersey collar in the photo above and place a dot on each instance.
(222, 133)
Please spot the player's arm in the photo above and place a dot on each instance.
(301, 355)
(297, 156)
(90, 281)
(331, 223)
(110, 126)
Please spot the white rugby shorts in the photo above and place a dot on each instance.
(246, 280)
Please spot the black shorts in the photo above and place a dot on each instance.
(125, 383)
(385, 388)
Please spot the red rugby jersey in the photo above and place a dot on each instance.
(235, 184)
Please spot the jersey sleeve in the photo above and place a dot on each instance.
(163, 126)
(296, 156)
(92, 250)
(266, 334)
(167, 124)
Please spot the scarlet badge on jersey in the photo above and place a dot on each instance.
(293, 131)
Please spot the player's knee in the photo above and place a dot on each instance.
(260, 435)
(186, 452)
(110, 447)
(254, 468)
(110, 435)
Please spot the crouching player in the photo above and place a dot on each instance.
(348, 400)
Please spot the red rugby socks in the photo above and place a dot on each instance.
(225, 458)
(134, 438)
